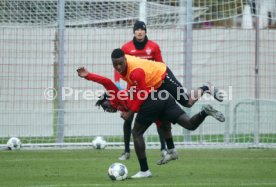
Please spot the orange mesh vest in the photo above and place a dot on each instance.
(154, 71)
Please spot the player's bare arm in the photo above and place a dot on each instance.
(126, 115)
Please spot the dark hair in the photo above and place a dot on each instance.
(102, 102)
(117, 53)
(139, 25)
(102, 98)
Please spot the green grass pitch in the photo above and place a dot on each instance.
(88, 167)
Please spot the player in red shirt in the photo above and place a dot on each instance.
(159, 105)
(140, 46)
(110, 102)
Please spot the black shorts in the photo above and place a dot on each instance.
(174, 87)
(159, 105)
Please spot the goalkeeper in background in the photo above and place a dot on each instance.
(140, 46)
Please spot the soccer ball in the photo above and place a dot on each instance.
(117, 171)
(14, 143)
(99, 143)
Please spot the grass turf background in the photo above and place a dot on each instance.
(88, 167)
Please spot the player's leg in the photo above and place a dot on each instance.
(148, 113)
(140, 149)
(127, 135)
(192, 123)
(167, 133)
(162, 140)
(195, 94)
(139, 143)
(180, 93)
(175, 88)
(175, 114)
(127, 132)
(171, 153)
(161, 137)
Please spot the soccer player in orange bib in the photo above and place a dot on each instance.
(143, 78)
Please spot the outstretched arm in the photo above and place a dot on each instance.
(106, 82)
(108, 85)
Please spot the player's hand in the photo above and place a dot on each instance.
(82, 72)
(126, 115)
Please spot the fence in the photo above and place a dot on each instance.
(38, 57)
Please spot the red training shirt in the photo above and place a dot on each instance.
(151, 51)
